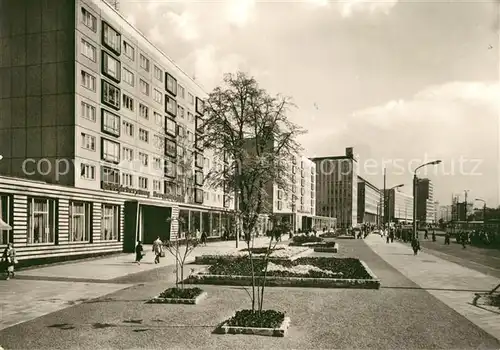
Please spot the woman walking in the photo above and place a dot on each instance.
(9, 259)
(139, 252)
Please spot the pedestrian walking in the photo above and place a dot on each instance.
(463, 239)
(426, 234)
(204, 238)
(158, 249)
(392, 236)
(447, 238)
(139, 252)
(388, 237)
(9, 260)
(434, 235)
(415, 244)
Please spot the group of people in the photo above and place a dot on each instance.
(391, 232)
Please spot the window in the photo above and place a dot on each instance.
(143, 157)
(128, 50)
(110, 123)
(156, 163)
(110, 176)
(280, 205)
(110, 223)
(181, 131)
(111, 67)
(157, 141)
(41, 220)
(80, 221)
(88, 141)
(199, 160)
(181, 91)
(198, 197)
(128, 128)
(110, 151)
(190, 117)
(89, 20)
(170, 127)
(200, 106)
(190, 98)
(180, 111)
(128, 102)
(199, 124)
(170, 106)
(87, 172)
(88, 50)
(143, 183)
(170, 148)
(143, 111)
(157, 96)
(143, 135)
(144, 87)
(159, 119)
(110, 95)
(6, 216)
(170, 169)
(144, 62)
(88, 111)
(128, 154)
(181, 152)
(88, 80)
(158, 73)
(127, 180)
(170, 84)
(197, 143)
(199, 177)
(111, 38)
(128, 76)
(157, 186)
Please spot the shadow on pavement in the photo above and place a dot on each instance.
(437, 289)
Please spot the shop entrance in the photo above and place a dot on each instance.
(154, 223)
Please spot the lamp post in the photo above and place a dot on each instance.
(415, 184)
(484, 210)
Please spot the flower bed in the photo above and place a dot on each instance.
(179, 296)
(318, 244)
(260, 250)
(267, 323)
(329, 235)
(283, 253)
(488, 301)
(303, 272)
(301, 240)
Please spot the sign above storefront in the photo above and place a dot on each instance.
(120, 188)
(168, 197)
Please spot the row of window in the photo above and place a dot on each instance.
(111, 39)
(279, 206)
(42, 221)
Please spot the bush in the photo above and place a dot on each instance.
(264, 319)
(298, 240)
(179, 293)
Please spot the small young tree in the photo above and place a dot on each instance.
(181, 252)
(250, 127)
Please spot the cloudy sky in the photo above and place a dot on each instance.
(401, 82)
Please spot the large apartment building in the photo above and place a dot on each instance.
(399, 206)
(337, 188)
(106, 124)
(369, 202)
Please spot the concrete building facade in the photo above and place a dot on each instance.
(369, 202)
(399, 206)
(337, 188)
(87, 102)
(425, 201)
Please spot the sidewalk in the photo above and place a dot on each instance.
(40, 291)
(451, 283)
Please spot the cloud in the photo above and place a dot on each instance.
(184, 24)
(349, 7)
(239, 11)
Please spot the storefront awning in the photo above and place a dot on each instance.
(4, 225)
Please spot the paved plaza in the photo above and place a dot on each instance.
(406, 313)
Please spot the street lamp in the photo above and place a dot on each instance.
(415, 183)
(484, 210)
(389, 211)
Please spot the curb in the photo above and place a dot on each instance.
(197, 300)
(268, 332)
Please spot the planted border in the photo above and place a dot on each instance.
(213, 259)
(204, 277)
(192, 301)
(268, 332)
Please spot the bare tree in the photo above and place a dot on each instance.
(249, 126)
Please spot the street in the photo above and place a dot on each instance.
(403, 314)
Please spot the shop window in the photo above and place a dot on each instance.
(6, 217)
(110, 222)
(216, 227)
(80, 222)
(41, 220)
